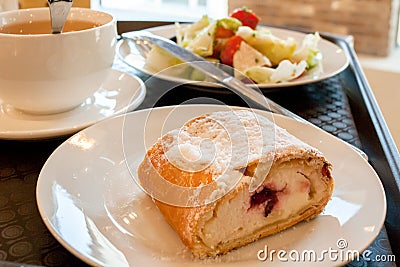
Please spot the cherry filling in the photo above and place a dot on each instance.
(267, 196)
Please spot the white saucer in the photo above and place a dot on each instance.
(120, 92)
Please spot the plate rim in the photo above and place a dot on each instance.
(167, 31)
(92, 260)
(49, 133)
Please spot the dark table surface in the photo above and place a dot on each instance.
(342, 105)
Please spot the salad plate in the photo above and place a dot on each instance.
(120, 92)
(95, 209)
(334, 60)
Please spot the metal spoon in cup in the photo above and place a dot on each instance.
(59, 10)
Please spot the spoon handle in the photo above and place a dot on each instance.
(59, 10)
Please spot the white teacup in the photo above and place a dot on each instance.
(47, 73)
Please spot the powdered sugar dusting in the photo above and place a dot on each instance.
(222, 139)
(211, 151)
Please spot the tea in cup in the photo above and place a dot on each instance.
(45, 73)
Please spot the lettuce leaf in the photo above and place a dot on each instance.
(202, 44)
(309, 50)
(229, 23)
(186, 34)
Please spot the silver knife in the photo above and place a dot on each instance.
(208, 68)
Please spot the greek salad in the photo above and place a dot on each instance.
(241, 43)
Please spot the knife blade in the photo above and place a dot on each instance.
(249, 92)
(208, 68)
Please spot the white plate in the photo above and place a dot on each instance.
(120, 92)
(91, 204)
(334, 59)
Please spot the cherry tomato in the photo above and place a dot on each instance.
(221, 32)
(230, 48)
(246, 16)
